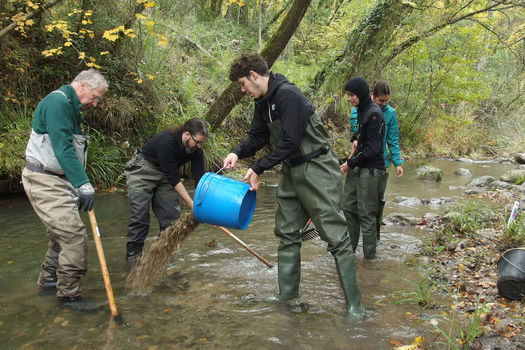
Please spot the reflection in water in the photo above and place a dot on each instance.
(218, 295)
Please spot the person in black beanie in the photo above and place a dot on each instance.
(365, 168)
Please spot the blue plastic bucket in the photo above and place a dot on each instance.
(223, 201)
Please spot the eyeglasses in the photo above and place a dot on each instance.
(196, 142)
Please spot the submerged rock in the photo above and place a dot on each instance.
(462, 172)
(408, 201)
(429, 173)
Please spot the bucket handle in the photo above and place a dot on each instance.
(510, 262)
(203, 192)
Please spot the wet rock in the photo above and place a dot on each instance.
(441, 201)
(482, 181)
(465, 160)
(407, 201)
(429, 173)
(513, 175)
(462, 172)
(431, 216)
(401, 219)
(520, 158)
(473, 191)
(500, 185)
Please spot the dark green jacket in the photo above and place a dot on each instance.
(59, 117)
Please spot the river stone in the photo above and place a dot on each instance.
(407, 201)
(482, 181)
(520, 158)
(474, 191)
(500, 185)
(441, 201)
(401, 219)
(462, 172)
(465, 160)
(431, 216)
(429, 173)
(513, 175)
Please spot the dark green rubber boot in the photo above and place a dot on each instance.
(289, 275)
(369, 245)
(347, 276)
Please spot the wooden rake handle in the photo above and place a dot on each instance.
(102, 262)
(244, 245)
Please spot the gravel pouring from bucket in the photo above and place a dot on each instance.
(152, 266)
(511, 274)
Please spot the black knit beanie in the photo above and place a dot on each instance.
(359, 87)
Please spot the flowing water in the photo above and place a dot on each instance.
(218, 296)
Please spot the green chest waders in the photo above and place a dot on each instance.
(311, 187)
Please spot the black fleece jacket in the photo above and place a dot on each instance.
(370, 128)
(283, 101)
(167, 151)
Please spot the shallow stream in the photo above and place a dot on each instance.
(217, 294)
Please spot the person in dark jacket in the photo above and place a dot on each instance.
(152, 176)
(311, 181)
(365, 168)
(381, 95)
(57, 185)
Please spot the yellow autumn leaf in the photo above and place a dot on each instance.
(150, 22)
(29, 22)
(140, 16)
(149, 4)
(141, 1)
(150, 77)
(93, 65)
(162, 42)
(68, 43)
(92, 59)
(138, 80)
(91, 35)
(81, 55)
(104, 53)
(418, 340)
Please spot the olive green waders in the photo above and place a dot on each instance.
(361, 207)
(312, 189)
(55, 202)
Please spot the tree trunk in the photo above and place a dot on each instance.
(232, 94)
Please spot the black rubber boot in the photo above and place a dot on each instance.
(77, 302)
(289, 275)
(347, 277)
(133, 253)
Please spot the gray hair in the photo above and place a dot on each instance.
(93, 78)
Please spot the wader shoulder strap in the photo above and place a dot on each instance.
(308, 157)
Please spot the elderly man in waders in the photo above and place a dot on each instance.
(57, 186)
(311, 182)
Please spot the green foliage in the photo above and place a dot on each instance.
(466, 331)
(106, 159)
(471, 216)
(15, 126)
(419, 293)
(515, 231)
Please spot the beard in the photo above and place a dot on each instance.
(187, 148)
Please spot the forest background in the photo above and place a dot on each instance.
(456, 69)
